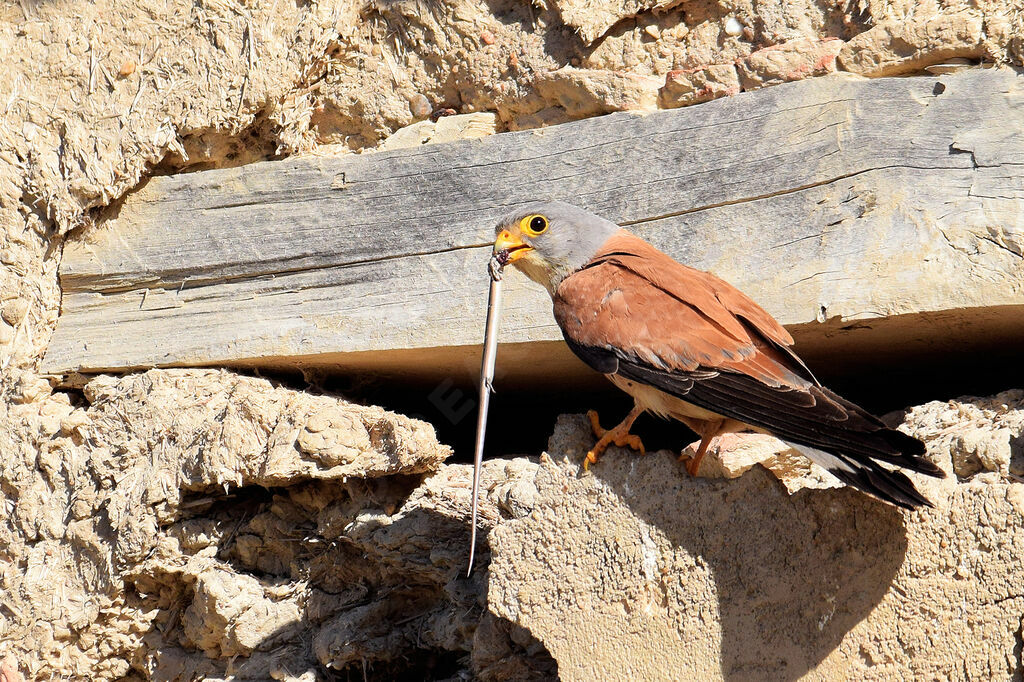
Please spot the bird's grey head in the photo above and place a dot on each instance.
(550, 240)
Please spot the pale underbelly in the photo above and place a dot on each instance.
(660, 403)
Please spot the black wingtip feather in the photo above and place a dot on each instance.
(907, 445)
(911, 450)
(889, 486)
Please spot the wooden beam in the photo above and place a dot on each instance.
(835, 200)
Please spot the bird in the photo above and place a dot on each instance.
(687, 345)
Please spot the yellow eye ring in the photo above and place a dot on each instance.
(533, 225)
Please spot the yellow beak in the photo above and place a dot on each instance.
(513, 247)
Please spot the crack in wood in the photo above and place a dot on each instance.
(782, 193)
(196, 282)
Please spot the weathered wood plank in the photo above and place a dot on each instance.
(828, 199)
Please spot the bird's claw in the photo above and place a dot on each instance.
(632, 441)
(619, 436)
(691, 463)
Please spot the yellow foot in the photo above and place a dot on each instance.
(620, 436)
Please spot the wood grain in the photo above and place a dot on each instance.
(831, 199)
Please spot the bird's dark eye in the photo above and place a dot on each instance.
(535, 224)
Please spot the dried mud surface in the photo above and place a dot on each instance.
(200, 524)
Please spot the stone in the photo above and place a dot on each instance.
(419, 105)
(733, 27)
(445, 129)
(788, 61)
(14, 311)
(684, 87)
(901, 46)
(591, 92)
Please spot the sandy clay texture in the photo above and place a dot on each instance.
(191, 524)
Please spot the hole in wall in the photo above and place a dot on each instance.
(421, 664)
(882, 377)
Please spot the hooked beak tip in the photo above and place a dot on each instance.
(508, 249)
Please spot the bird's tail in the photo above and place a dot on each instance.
(871, 477)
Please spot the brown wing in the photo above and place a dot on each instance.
(673, 316)
(636, 312)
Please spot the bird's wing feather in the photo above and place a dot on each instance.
(674, 317)
(720, 302)
(717, 312)
(636, 312)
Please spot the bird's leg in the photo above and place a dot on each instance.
(693, 466)
(707, 431)
(620, 435)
